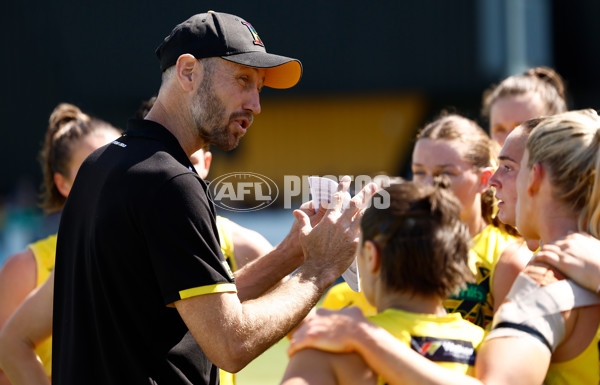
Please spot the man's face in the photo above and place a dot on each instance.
(226, 102)
(505, 177)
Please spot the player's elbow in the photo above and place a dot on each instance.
(234, 359)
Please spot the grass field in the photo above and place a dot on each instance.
(267, 369)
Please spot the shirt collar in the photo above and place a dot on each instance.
(149, 129)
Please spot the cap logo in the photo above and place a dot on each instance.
(257, 40)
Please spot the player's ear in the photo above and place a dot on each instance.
(62, 183)
(536, 176)
(373, 257)
(486, 174)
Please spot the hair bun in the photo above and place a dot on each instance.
(548, 75)
(63, 114)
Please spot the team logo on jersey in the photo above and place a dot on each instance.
(444, 349)
(120, 144)
(257, 40)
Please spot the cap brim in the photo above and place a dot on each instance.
(281, 72)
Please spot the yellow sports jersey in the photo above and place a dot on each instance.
(341, 295)
(226, 242)
(448, 340)
(226, 378)
(580, 370)
(475, 302)
(44, 252)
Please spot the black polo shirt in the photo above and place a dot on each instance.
(137, 233)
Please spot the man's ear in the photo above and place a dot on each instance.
(484, 179)
(536, 177)
(373, 256)
(188, 71)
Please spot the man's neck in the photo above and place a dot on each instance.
(175, 119)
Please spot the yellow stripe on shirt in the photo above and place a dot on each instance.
(216, 288)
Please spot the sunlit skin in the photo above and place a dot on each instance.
(505, 178)
(526, 206)
(226, 103)
(432, 158)
(508, 112)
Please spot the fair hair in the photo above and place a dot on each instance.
(568, 144)
(67, 126)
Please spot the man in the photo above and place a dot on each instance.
(142, 292)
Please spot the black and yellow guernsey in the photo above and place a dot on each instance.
(137, 233)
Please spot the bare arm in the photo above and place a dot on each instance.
(348, 330)
(248, 244)
(233, 333)
(18, 277)
(511, 262)
(264, 272)
(28, 326)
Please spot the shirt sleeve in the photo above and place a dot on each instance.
(182, 239)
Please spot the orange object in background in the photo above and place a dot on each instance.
(327, 135)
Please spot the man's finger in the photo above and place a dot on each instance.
(303, 220)
(361, 200)
(344, 184)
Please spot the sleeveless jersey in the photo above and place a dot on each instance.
(448, 340)
(580, 370)
(341, 295)
(475, 302)
(226, 242)
(226, 378)
(44, 252)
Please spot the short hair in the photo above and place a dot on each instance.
(541, 81)
(423, 243)
(208, 64)
(568, 144)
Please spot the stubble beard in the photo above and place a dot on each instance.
(209, 116)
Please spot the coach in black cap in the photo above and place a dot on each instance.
(142, 292)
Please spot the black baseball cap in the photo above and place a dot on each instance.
(216, 34)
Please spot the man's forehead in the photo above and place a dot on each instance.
(261, 72)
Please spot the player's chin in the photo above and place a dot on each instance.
(505, 218)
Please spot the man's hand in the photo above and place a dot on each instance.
(291, 242)
(330, 246)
